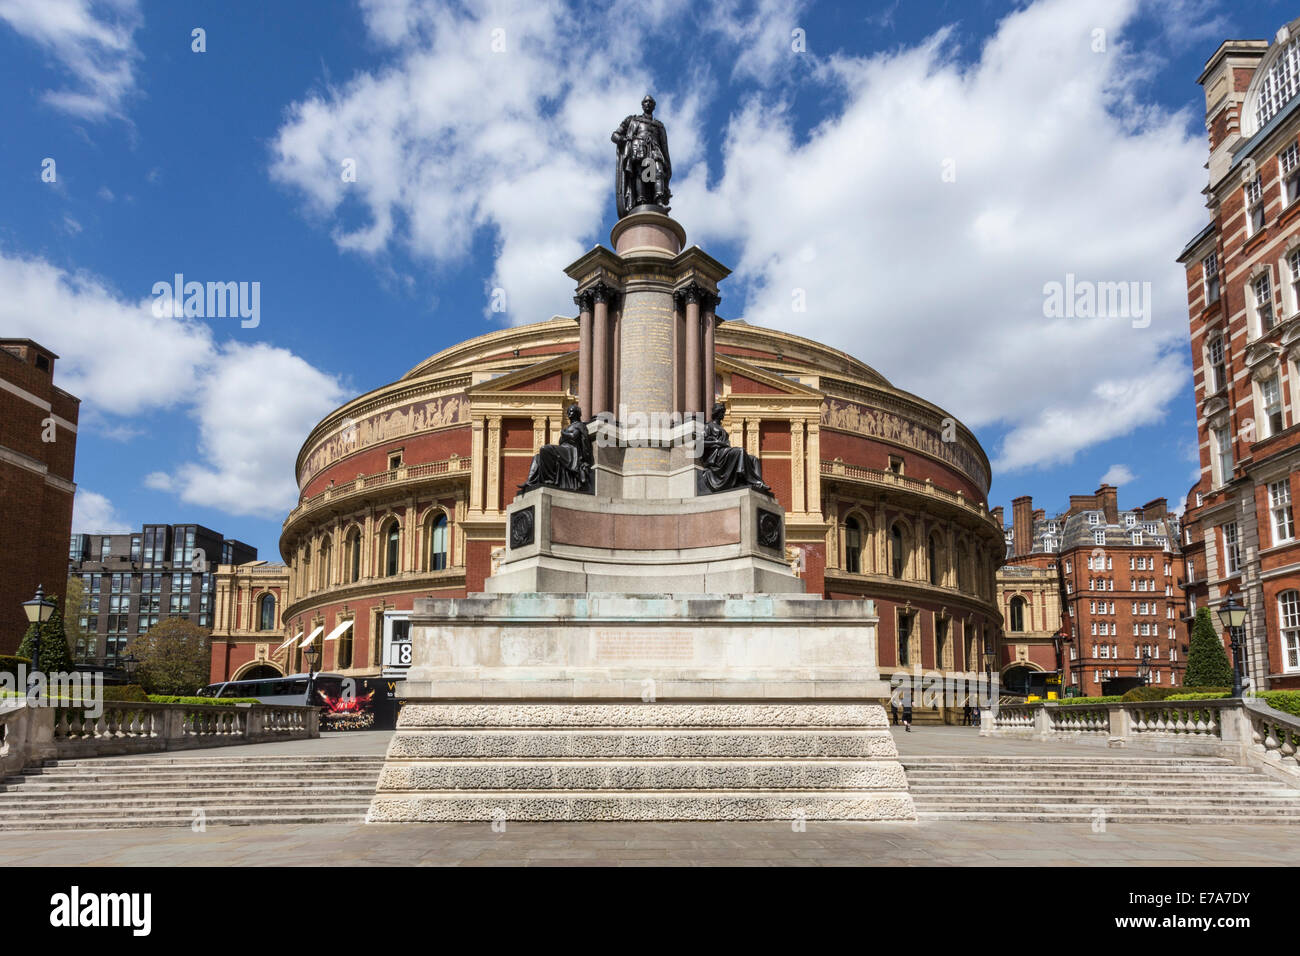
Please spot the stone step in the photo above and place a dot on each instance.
(204, 797)
(641, 742)
(1007, 801)
(1179, 766)
(1110, 819)
(253, 777)
(594, 775)
(250, 816)
(1054, 775)
(1250, 788)
(144, 806)
(524, 806)
(641, 716)
(211, 760)
(132, 784)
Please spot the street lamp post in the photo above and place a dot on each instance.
(312, 656)
(1232, 615)
(38, 610)
(1144, 668)
(1060, 639)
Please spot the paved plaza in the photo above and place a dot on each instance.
(669, 844)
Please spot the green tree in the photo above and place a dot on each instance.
(1207, 662)
(54, 643)
(77, 604)
(174, 655)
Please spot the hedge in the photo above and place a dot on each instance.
(1205, 695)
(175, 699)
(9, 664)
(1085, 701)
(1140, 695)
(1287, 701)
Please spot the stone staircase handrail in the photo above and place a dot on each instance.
(32, 733)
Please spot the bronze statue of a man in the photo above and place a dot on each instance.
(643, 164)
(567, 465)
(726, 467)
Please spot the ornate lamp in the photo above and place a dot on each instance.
(1232, 615)
(38, 610)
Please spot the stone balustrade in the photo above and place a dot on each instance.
(32, 733)
(455, 465)
(1249, 732)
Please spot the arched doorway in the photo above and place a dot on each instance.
(1015, 679)
(258, 672)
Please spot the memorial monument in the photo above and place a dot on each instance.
(643, 650)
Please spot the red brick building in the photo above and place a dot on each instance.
(1119, 596)
(1243, 293)
(38, 446)
(404, 491)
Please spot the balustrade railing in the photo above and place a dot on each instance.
(30, 733)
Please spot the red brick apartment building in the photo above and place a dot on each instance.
(1118, 597)
(38, 446)
(1243, 293)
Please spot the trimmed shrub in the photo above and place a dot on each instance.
(1084, 701)
(1151, 693)
(131, 692)
(1207, 661)
(9, 664)
(1287, 701)
(1202, 695)
(174, 699)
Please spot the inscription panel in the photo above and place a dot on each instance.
(644, 645)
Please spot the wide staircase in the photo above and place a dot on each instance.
(166, 791)
(1133, 788)
(649, 761)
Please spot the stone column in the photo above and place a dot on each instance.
(600, 351)
(494, 464)
(693, 384)
(710, 320)
(798, 464)
(584, 354)
(645, 368)
(477, 466)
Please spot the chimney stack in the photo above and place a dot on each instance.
(1108, 501)
(1022, 525)
(996, 514)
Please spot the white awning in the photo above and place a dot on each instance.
(312, 636)
(335, 634)
(296, 637)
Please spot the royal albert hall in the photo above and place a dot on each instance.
(403, 494)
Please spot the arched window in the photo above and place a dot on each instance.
(343, 653)
(896, 551)
(323, 570)
(266, 613)
(392, 549)
(305, 574)
(1017, 614)
(1288, 606)
(436, 560)
(932, 556)
(962, 571)
(352, 555)
(852, 546)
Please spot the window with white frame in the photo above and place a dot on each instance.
(1094, 518)
(1262, 286)
(1210, 276)
(1288, 606)
(1293, 266)
(1278, 85)
(1270, 400)
(1110, 584)
(1130, 520)
(1099, 537)
(1255, 204)
(1279, 509)
(1137, 537)
(1231, 548)
(1218, 377)
(1288, 162)
(1068, 567)
(1223, 454)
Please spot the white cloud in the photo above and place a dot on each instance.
(92, 511)
(939, 284)
(253, 403)
(254, 407)
(1118, 475)
(1060, 168)
(93, 40)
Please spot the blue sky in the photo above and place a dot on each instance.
(483, 163)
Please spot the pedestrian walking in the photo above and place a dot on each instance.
(907, 713)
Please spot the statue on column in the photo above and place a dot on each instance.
(725, 467)
(567, 465)
(644, 168)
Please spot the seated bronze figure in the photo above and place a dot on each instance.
(725, 467)
(568, 465)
